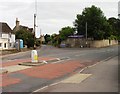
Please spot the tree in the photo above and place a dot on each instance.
(115, 23)
(26, 36)
(98, 27)
(47, 38)
(65, 32)
(54, 39)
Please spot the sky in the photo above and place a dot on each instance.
(52, 15)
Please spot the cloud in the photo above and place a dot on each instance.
(52, 15)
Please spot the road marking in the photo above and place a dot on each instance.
(61, 81)
(77, 78)
(96, 63)
(60, 61)
(80, 54)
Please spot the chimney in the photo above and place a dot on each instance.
(17, 24)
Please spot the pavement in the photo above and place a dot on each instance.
(95, 78)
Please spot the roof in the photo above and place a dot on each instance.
(23, 27)
(5, 28)
(76, 36)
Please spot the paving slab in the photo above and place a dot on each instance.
(77, 78)
(16, 68)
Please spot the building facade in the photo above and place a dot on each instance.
(7, 38)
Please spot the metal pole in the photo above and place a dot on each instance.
(34, 24)
(34, 27)
(86, 33)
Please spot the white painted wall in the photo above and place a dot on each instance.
(3, 41)
(7, 39)
(5, 35)
(12, 40)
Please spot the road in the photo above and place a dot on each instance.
(31, 79)
(103, 77)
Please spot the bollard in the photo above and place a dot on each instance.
(34, 56)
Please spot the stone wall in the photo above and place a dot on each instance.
(90, 43)
(103, 43)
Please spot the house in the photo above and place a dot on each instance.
(19, 27)
(7, 38)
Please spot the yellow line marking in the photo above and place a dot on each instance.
(77, 78)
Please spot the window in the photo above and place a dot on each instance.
(5, 45)
(0, 44)
(10, 44)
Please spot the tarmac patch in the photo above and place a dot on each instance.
(77, 78)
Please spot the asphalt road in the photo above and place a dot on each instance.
(80, 53)
(103, 78)
(85, 56)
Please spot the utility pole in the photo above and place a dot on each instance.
(35, 21)
(34, 29)
(86, 33)
(34, 24)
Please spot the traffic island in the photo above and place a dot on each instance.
(32, 64)
(38, 63)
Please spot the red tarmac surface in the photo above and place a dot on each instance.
(48, 71)
(6, 80)
(52, 71)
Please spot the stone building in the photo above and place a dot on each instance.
(19, 27)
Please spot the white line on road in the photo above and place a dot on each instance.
(96, 63)
(80, 54)
(60, 61)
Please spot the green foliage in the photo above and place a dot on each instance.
(97, 23)
(115, 24)
(47, 38)
(55, 39)
(112, 37)
(65, 32)
(26, 36)
(37, 41)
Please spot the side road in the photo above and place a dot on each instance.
(102, 77)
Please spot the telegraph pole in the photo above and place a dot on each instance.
(35, 22)
(86, 33)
